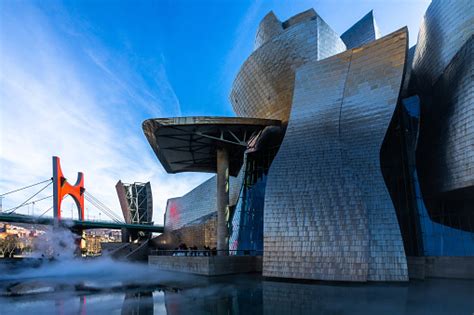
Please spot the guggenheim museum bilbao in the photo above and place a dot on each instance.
(348, 153)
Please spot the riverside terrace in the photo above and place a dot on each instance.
(206, 262)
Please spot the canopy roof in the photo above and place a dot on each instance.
(189, 144)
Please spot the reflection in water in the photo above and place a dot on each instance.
(249, 294)
(333, 299)
(231, 296)
(138, 303)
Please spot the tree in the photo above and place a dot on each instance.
(8, 245)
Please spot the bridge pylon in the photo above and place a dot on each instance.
(62, 188)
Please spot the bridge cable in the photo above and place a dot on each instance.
(45, 212)
(19, 189)
(12, 210)
(37, 200)
(101, 206)
(101, 203)
(109, 214)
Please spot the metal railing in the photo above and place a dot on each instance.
(204, 252)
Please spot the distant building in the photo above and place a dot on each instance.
(136, 202)
(349, 153)
(17, 240)
(94, 238)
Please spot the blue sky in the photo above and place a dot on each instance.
(77, 78)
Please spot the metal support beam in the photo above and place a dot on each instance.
(222, 139)
(222, 200)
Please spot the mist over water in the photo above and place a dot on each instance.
(55, 280)
(58, 243)
(56, 262)
(56, 252)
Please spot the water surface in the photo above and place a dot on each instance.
(107, 287)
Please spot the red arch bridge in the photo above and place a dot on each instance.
(62, 188)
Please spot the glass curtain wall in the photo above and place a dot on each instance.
(443, 228)
(246, 228)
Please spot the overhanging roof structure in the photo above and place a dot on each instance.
(189, 144)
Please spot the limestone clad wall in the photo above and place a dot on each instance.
(328, 214)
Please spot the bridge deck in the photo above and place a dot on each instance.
(15, 218)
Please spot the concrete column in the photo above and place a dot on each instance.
(222, 200)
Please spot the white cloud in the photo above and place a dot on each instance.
(66, 94)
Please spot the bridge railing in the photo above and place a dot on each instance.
(205, 252)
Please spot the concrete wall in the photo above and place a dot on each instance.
(328, 214)
(208, 266)
(441, 267)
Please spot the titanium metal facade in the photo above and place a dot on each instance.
(443, 69)
(408, 81)
(264, 85)
(362, 32)
(269, 27)
(446, 27)
(331, 217)
(446, 147)
(374, 159)
(442, 76)
(199, 202)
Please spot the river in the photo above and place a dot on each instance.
(103, 286)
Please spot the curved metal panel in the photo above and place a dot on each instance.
(149, 202)
(446, 27)
(447, 136)
(362, 32)
(121, 193)
(199, 202)
(309, 14)
(443, 69)
(328, 214)
(264, 85)
(408, 88)
(269, 27)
